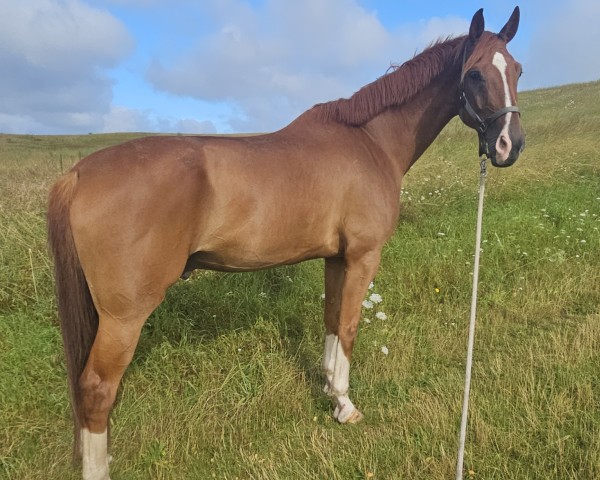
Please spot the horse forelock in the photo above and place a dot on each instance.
(487, 45)
(396, 87)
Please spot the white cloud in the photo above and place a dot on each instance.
(279, 59)
(53, 54)
(54, 34)
(425, 31)
(122, 119)
(132, 3)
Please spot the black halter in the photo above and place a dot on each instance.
(482, 124)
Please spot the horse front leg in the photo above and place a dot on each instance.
(335, 268)
(346, 284)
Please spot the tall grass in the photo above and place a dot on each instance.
(226, 382)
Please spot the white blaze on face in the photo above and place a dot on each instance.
(503, 144)
(500, 63)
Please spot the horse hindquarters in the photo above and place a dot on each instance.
(107, 286)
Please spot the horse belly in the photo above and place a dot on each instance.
(258, 243)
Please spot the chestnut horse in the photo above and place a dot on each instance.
(126, 222)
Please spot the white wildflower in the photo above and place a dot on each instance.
(371, 286)
(366, 320)
(367, 304)
(381, 316)
(384, 350)
(375, 298)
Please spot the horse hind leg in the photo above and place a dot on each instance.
(110, 355)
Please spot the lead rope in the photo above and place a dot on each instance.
(465, 406)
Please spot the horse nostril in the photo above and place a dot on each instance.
(503, 147)
(503, 143)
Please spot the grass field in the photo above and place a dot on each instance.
(226, 380)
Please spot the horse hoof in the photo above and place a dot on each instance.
(347, 416)
(355, 417)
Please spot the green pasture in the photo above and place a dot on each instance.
(226, 380)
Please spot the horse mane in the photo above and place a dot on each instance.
(396, 87)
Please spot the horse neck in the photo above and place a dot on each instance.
(404, 132)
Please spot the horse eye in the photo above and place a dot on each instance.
(475, 75)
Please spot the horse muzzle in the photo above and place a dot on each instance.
(505, 152)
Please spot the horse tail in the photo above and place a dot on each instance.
(76, 311)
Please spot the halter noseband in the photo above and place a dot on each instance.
(482, 124)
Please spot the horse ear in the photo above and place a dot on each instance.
(477, 26)
(508, 31)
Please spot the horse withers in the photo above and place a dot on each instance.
(126, 222)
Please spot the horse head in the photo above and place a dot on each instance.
(489, 91)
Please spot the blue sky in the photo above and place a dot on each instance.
(192, 66)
